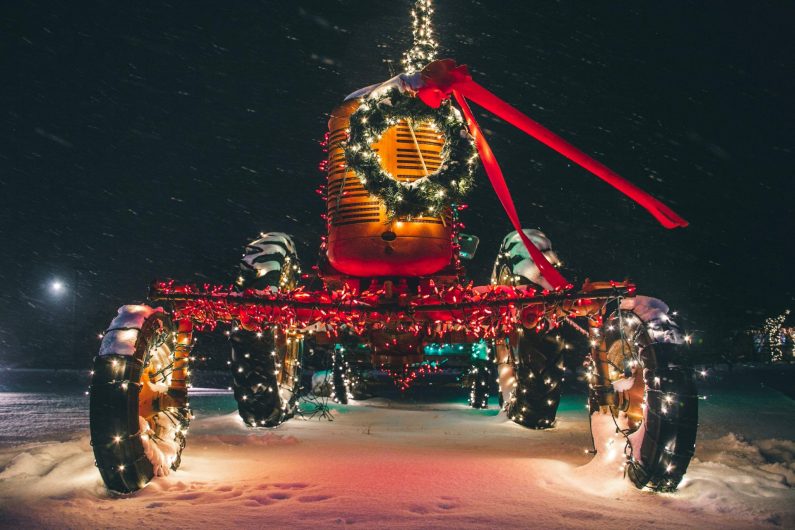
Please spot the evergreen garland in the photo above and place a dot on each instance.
(427, 195)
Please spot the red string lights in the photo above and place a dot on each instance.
(433, 312)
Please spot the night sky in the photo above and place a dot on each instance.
(149, 140)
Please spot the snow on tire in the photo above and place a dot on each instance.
(138, 399)
(269, 263)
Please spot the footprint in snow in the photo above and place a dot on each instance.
(279, 495)
(581, 515)
(291, 485)
(188, 496)
(448, 503)
(258, 500)
(314, 498)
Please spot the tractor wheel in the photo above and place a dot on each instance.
(138, 399)
(657, 406)
(532, 395)
(266, 376)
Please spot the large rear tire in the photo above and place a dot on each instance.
(269, 263)
(657, 399)
(530, 365)
(138, 399)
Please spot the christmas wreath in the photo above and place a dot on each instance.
(426, 195)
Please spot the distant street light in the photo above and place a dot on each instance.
(57, 287)
(60, 292)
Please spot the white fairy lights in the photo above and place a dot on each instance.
(425, 46)
(773, 335)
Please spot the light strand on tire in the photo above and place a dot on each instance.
(119, 435)
(667, 465)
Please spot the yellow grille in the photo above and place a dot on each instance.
(406, 156)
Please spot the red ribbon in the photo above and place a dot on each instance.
(443, 78)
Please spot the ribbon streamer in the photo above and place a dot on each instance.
(494, 172)
(443, 78)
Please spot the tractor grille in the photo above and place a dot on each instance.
(348, 201)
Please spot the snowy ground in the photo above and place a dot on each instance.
(384, 463)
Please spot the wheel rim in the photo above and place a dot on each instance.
(287, 369)
(163, 413)
(625, 364)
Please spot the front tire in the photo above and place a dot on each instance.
(534, 386)
(266, 364)
(266, 376)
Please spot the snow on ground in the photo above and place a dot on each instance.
(384, 463)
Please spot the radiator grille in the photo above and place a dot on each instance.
(408, 157)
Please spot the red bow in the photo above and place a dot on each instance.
(439, 79)
(443, 78)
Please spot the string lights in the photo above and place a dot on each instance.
(425, 47)
(639, 376)
(454, 175)
(409, 374)
(432, 311)
(772, 330)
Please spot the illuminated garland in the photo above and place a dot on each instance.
(429, 194)
(434, 312)
(772, 330)
(425, 47)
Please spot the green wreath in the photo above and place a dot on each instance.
(427, 195)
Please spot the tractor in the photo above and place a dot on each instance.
(389, 299)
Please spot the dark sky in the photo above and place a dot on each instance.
(142, 140)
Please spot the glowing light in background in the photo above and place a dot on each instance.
(57, 287)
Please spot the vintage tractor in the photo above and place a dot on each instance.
(390, 298)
